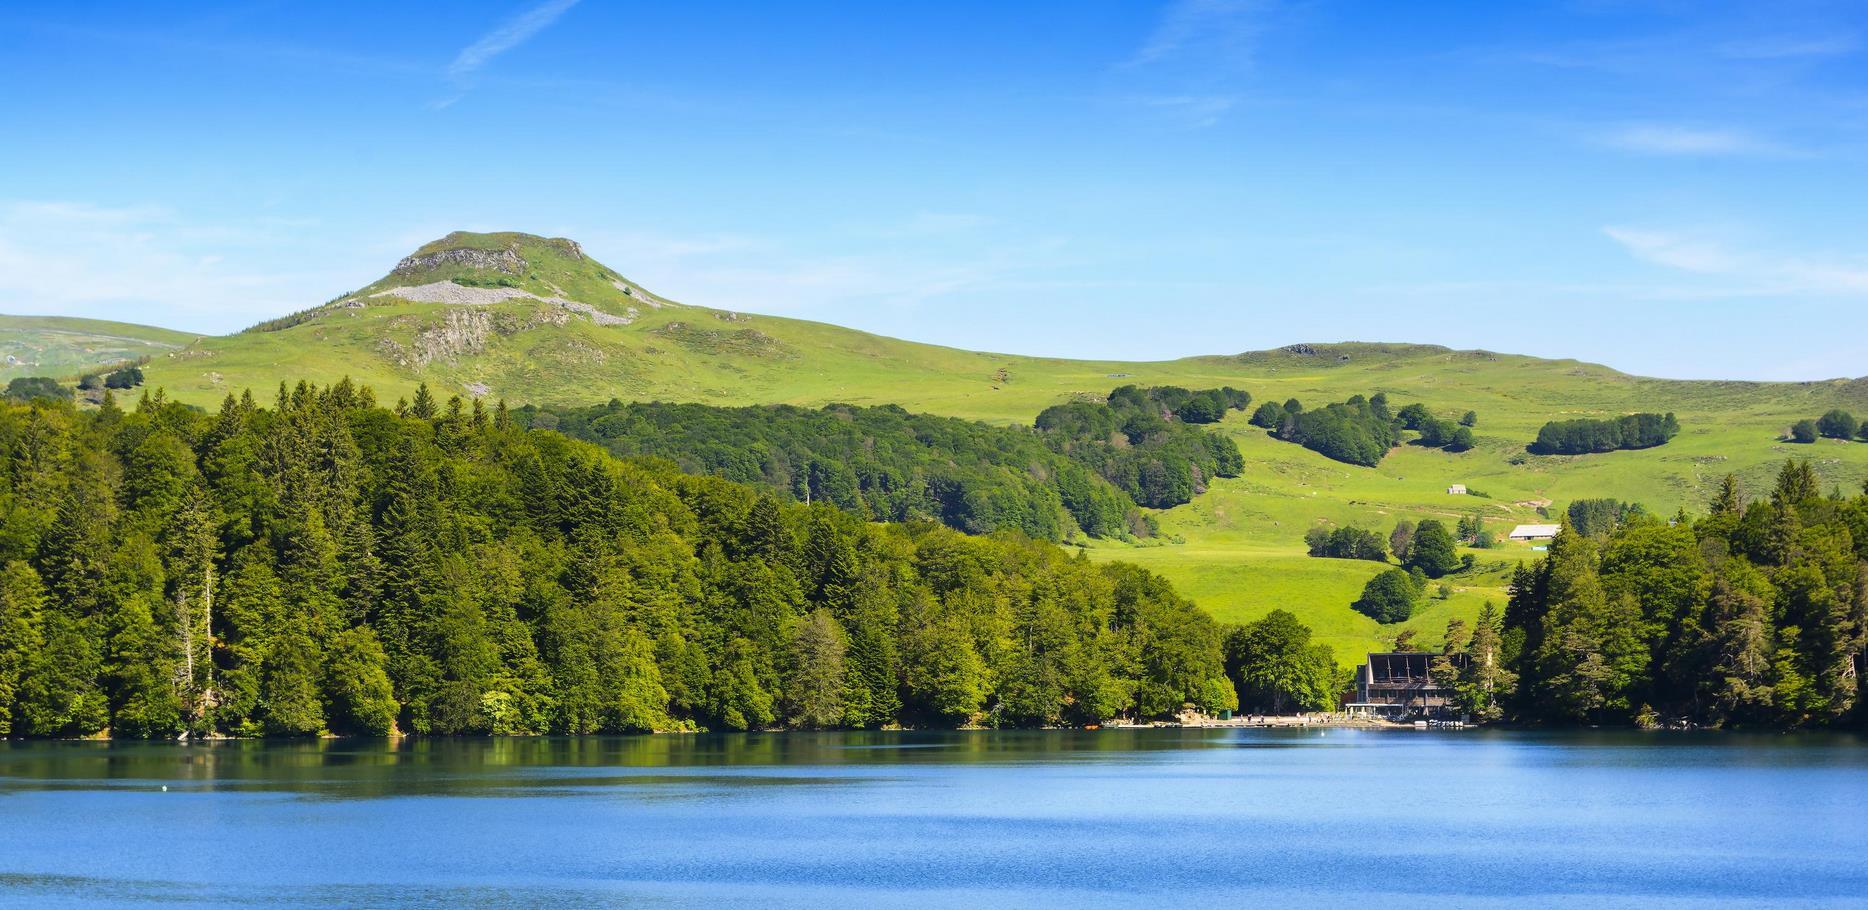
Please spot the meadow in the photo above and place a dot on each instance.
(60, 346)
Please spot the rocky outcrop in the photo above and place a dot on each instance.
(458, 333)
(496, 260)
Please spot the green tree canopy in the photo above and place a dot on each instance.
(1432, 550)
(1389, 597)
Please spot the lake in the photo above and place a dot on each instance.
(1114, 818)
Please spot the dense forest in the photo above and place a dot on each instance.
(1361, 430)
(1755, 615)
(878, 462)
(1085, 466)
(1146, 441)
(330, 565)
(1585, 436)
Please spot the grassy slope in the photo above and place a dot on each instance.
(62, 346)
(1243, 556)
(1240, 553)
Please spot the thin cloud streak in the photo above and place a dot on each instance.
(1669, 139)
(1187, 67)
(1789, 48)
(1231, 27)
(513, 33)
(1757, 271)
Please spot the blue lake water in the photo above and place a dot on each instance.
(1167, 818)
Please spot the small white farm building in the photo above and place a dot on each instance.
(1534, 532)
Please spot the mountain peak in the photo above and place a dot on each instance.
(465, 267)
(505, 251)
(477, 270)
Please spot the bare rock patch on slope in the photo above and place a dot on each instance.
(448, 292)
(499, 260)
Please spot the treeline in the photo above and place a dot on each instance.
(880, 463)
(35, 388)
(1436, 432)
(1434, 555)
(1755, 615)
(121, 378)
(1834, 424)
(1146, 441)
(1347, 542)
(1585, 436)
(330, 565)
(1361, 430)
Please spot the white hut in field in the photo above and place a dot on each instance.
(1534, 532)
(1458, 489)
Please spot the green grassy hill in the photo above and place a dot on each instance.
(61, 346)
(535, 320)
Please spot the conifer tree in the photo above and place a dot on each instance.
(288, 696)
(1740, 686)
(1730, 500)
(1484, 679)
(817, 671)
(423, 407)
(360, 696)
(22, 601)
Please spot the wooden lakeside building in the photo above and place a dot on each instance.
(1400, 684)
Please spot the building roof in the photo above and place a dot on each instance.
(1401, 667)
(1526, 532)
(1456, 488)
(1397, 666)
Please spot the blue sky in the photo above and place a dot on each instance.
(1672, 188)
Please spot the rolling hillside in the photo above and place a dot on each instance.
(535, 320)
(58, 345)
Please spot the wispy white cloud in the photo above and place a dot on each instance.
(1227, 28)
(1789, 47)
(1189, 67)
(1732, 58)
(1675, 250)
(511, 34)
(1743, 269)
(1674, 139)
